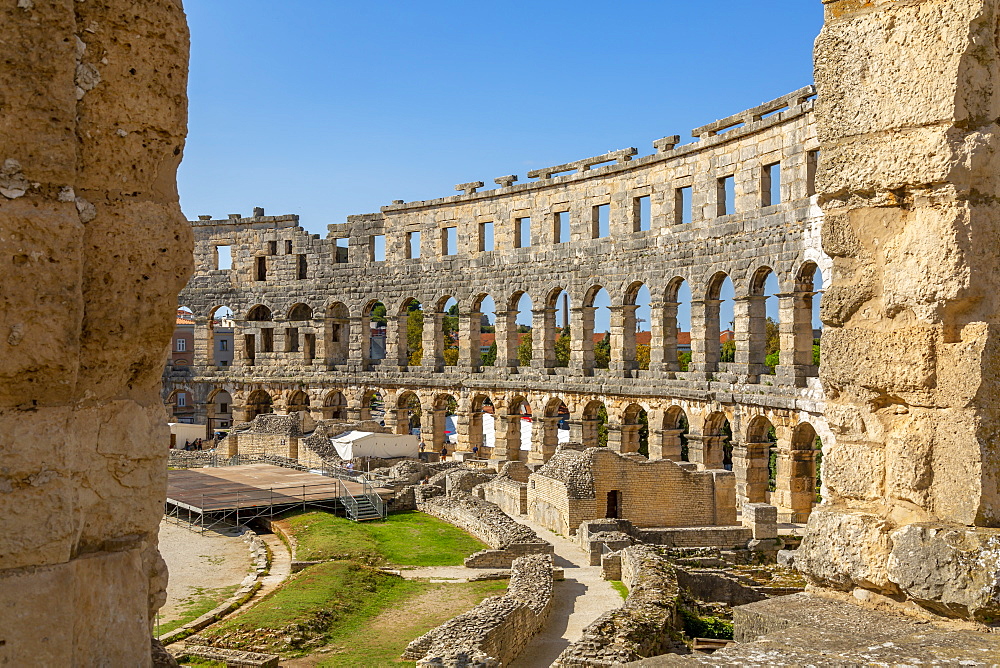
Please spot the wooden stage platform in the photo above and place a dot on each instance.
(211, 490)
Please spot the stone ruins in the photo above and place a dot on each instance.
(885, 182)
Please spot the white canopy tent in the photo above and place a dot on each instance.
(352, 444)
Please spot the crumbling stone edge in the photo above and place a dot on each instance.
(260, 556)
(496, 631)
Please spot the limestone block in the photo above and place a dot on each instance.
(762, 519)
(843, 550)
(951, 570)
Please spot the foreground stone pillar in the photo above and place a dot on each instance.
(908, 97)
(469, 329)
(93, 251)
(750, 465)
(506, 339)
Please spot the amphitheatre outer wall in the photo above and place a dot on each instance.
(302, 305)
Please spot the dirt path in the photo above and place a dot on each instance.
(578, 600)
(199, 563)
(281, 566)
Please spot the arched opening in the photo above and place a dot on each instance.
(759, 327)
(300, 336)
(482, 426)
(373, 332)
(635, 430)
(675, 431)
(718, 318)
(554, 427)
(444, 428)
(637, 334)
(337, 334)
(554, 343)
(372, 406)
(754, 462)
(335, 406)
(259, 336)
(258, 403)
(597, 328)
(409, 415)
(297, 401)
(676, 315)
(520, 424)
(181, 404)
(482, 332)
(594, 425)
(522, 334)
(796, 474)
(221, 411)
(448, 339)
(411, 333)
(808, 328)
(716, 443)
(221, 332)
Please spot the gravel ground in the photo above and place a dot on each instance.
(199, 562)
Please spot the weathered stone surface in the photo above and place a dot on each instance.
(907, 182)
(93, 250)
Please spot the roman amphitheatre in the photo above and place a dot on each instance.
(583, 418)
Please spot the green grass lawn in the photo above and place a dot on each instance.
(403, 539)
(620, 587)
(346, 606)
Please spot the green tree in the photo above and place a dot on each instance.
(602, 352)
(415, 334)
(562, 348)
(684, 359)
(642, 355)
(643, 434)
(489, 358)
(772, 344)
(378, 313)
(450, 356)
(728, 352)
(524, 351)
(816, 345)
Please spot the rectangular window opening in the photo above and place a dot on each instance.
(522, 232)
(413, 245)
(301, 267)
(224, 344)
(642, 217)
(725, 196)
(449, 241)
(486, 236)
(812, 163)
(561, 231)
(288, 247)
(770, 184)
(601, 220)
(223, 257)
(341, 246)
(182, 400)
(249, 346)
(272, 247)
(181, 345)
(683, 206)
(291, 340)
(223, 408)
(267, 340)
(261, 269)
(378, 248)
(310, 347)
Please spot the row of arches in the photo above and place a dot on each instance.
(775, 457)
(749, 335)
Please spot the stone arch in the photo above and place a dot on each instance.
(480, 414)
(593, 425)
(220, 409)
(795, 474)
(297, 401)
(337, 335)
(752, 321)
(300, 312)
(634, 340)
(408, 412)
(674, 430)
(370, 403)
(716, 441)
(409, 344)
(445, 335)
(634, 428)
(444, 405)
(671, 350)
(259, 402)
(221, 336)
(509, 340)
(334, 406)
(706, 344)
(259, 313)
(595, 350)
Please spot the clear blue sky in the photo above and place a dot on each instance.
(329, 108)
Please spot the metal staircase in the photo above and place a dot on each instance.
(367, 505)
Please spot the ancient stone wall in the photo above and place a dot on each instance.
(644, 626)
(303, 304)
(93, 251)
(496, 630)
(576, 486)
(484, 520)
(908, 182)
